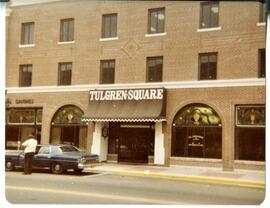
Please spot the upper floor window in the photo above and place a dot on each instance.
(64, 74)
(154, 69)
(156, 20)
(262, 12)
(25, 75)
(209, 14)
(109, 25)
(67, 30)
(27, 33)
(107, 68)
(261, 62)
(207, 66)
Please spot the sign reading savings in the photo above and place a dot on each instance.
(127, 94)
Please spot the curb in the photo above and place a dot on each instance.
(193, 178)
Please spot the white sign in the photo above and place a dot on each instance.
(127, 94)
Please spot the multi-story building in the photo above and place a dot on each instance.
(155, 82)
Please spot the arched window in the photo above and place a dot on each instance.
(197, 132)
(67, 127)
(68, 115)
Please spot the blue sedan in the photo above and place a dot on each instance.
(57, 158)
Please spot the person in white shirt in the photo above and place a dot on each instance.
(30, 148)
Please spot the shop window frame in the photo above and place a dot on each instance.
(37, 126)
(189, 124)
(248, 106)
(24, 109)
(68, 117)
(250, 127)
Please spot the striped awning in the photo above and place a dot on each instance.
(125, 111)
(123, 120)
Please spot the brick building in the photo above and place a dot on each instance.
(155, 82)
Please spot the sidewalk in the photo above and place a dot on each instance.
(251, 178)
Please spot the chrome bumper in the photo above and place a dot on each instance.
(92, 165)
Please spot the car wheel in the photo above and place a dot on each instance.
(57, 168)
(9, 166)
(79, 171)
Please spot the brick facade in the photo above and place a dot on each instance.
(236, 41)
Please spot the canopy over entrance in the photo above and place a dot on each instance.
(128, 105)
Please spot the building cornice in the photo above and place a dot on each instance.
(167, 85)
(16, 3)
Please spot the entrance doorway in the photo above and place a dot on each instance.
(67, 134)
(134, 141)
(67, 127)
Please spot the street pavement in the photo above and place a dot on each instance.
(43, 187)
(251, 178)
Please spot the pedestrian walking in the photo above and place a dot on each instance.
(30, 148)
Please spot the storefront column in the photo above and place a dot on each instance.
(159, 154)
(228, 146)
(100, 143)
(89, 140)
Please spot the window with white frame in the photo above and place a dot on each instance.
(156, 20)
(209, 16)
(27, 33)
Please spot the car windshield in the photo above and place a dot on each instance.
(69, 149)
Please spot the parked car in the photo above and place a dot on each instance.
(57, 158)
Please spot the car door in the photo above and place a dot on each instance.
(43, 157)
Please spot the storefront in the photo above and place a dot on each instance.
(128, 124)
(131, 141)
(67, 127)
(155, 126)
(197, 132)
(250, 133)
(20, 122)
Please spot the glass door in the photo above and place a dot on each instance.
(126, 150)
(134, 145)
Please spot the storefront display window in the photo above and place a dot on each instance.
(197, 132)
(20, 122)
(67, 127)
(21, 116)
(250, 133)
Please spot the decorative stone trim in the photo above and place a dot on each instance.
(26, 45)
(108, 39)
(66, 42)
(167, 85)
(156, 34)
(209, 29)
